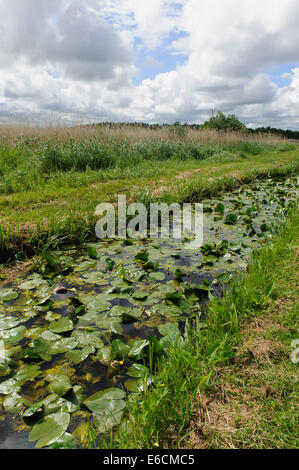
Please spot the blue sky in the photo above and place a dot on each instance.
(153, 62)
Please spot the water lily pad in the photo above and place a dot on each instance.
(61, 326)
(120, 349)
(140, 295)
(62, 346)
(14, 335)
(8, 294)
(42, 346)
(67, 441)
(9, 386)
(138, 385)
(79, 355)
(13, 403)
(6, 323)
(61, 385)
(87, 339)
(49, 429)
(28, 372)
(105, 355)
(157, 276)
(169, 329)
(107, 407)
(138, 370)
(137, 347)
(105, 422)
(33, 282)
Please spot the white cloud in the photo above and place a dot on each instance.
(78, 58)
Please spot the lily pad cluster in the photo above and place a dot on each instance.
(81, 333)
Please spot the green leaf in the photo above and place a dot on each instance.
(26, 373)
(169, 329)
(8, 294)
(220, 208)
(137, 346)
(61, 385)
(157, 276)
(49, 429)
(92, 253)
(142, 256)
(105, 355)
(13, 403)
(140, 295)
(120, 349)
(43, 348)
(110, 264)
(61, 326)
(9, 386)
(107, 407)
(79, 355)
(13, 336)
(138, 370)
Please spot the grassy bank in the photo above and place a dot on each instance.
(231, 382)
(51, 183)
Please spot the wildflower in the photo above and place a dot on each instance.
(121, 362)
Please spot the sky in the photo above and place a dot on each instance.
(156, 61)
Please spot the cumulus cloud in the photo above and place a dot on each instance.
(80, 58)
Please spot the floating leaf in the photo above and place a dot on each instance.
(140, 295)
(138, 370)
(13, 403)
(33, 282)
(61, 385)
(29, 372)
(34, 413)
(61, 326)
(138, 385)
(7, 323)
(157, 276)
(9, 386)
(105, 355)
(14, 335)
(137, 346)
(120, 349)
(8, 294)
(107, 407)
(80, 355)
(49, 429)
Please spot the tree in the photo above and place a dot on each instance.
(221, 122)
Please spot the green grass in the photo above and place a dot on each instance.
(211, 355)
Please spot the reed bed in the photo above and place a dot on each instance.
(58, 132)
